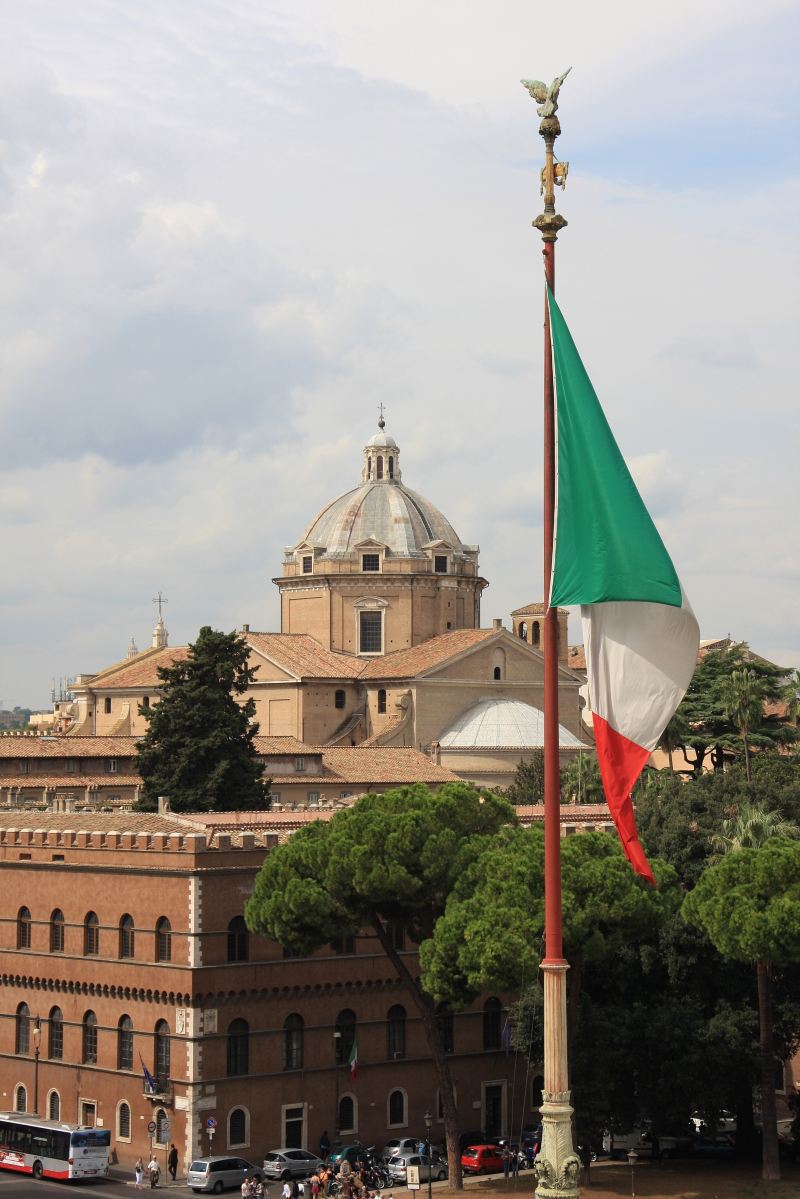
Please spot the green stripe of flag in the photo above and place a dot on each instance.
(607, 547)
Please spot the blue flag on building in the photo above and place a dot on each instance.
(149, 1081)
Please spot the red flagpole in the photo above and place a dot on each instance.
(557, 1166)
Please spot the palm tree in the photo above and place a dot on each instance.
(581, 781)
(752, 825)
(743, 698)
(674, 737)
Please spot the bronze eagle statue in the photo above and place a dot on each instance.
(547, 97)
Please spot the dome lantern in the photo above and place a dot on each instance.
(381, 457)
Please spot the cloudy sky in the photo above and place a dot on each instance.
(229, 229)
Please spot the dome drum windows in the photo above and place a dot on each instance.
(371, 563)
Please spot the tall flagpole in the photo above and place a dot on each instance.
(557, 1167)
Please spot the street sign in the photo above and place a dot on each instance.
(166, 1129)
(412, 1178)
(151, 1127)
(211, 1122)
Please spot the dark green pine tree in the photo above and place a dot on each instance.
(198, 750)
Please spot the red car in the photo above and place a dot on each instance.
(482, 1159)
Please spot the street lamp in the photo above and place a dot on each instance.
(428, 1118)
(337, 1041)
(37, 1037)
(633, 1158)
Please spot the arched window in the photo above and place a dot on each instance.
(346, 1028)
(444, 1020)
(107, 705)
(339, 698)
(348, 1114)
(23, 1034)
(293, 1042)
(379, 461)
(396, 1032)
(396, 1109)
(381, 701)
(24, 928)
(492, 1014)
(57, 931)
(127, 937)
(89, 1055)
(237, 1128)
(369, 467)
(238, 940)
(162, 1052)
(124, 1121)
(54, 1106)
(391, 468)
(91, 934)
(125, 1043)
(238, 1047)
(498, 673)
(163, 940)
(20, 1099)
(161, 1135)
(55, 1034)
(523, 631)
(536, 634)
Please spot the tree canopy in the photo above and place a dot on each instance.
(198, 750)
(391, 860)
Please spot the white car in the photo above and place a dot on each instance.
(433, 1167)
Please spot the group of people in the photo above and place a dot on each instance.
(253, 1188)
(153, 1170)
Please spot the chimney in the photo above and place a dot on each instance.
(497, 623)
(163, 805)
(245, 628)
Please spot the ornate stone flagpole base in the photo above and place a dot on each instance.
(557, 1166)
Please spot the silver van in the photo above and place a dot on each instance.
(212, 1175)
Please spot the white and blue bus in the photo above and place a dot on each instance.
(50, 1149)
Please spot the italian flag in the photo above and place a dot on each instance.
(352, 1061)
(640, 634)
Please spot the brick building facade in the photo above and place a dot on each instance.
(124, 948)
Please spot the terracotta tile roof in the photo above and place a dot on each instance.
(304, 657)
(428, 654)
(67, 747)
(281, 745)
(364, 765)
(571, 813)
(576, 657)
(141, 671)
(101, 822)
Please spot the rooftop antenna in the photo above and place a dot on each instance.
(160, 600)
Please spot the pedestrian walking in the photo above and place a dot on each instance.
(138, 1174)
(324, 1145)
(506, 1162)
(153, 1171)
(286, 1193)
(172, 1161)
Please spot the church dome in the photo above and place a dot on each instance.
(495, 723)
(381, 509)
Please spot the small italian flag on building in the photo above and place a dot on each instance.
(352, 1061)
(640, 634)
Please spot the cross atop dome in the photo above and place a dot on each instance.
(381, 456)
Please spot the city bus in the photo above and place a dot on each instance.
(50, 1149)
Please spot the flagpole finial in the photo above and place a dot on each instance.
(554, 173)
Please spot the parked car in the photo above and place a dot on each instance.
(401, 1145)
(645, 1142)
(726, 1122)
(721, 1145)
(290, 1163)
(482, 1159)
(352, 1152)
(433, 1167)
(217, 1174)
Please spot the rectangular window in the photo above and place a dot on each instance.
(440, 564)
(300, 764)
(308, 564)
(370, 630)
(371, 562)
(313, 799)
(24, 766)
(71, 766)
(112, 765)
